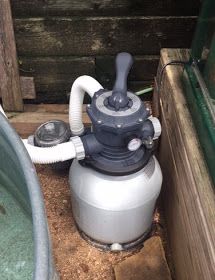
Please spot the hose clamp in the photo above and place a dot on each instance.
(79, 147)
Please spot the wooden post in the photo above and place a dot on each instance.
(9, 72)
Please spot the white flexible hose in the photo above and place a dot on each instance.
(2, 111)
(58, 153)
(80, 86)
(66, 151)
(61, 152)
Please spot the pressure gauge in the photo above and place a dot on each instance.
(134, 144)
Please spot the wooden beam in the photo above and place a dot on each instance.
(94, 36)
(9, 74)
(34, 115)
(188, 191)
(56, 74)
(82, 8)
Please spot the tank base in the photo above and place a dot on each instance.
(134, 245)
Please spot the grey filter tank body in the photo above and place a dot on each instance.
(114, 189)
(115, 209)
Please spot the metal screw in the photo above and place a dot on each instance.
(99, 121)
(140, 120)
(88, 105)
(147, 108)
(119, 125)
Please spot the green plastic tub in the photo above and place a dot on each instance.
(25, 251)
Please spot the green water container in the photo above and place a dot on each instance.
(25, 251)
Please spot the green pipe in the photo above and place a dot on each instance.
(143, 91)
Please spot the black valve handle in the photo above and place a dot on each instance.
(119, 98)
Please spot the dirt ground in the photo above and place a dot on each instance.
(74, 257)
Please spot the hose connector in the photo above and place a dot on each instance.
(157, 127)
(79, 147)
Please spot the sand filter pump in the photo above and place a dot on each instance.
(114, 177)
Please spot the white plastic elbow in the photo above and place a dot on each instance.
(58, 153)
(80, 86)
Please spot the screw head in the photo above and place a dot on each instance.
(88, 105)
(140, 120)
(119, 125)
(99, 121)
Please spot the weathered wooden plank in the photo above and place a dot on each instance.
(49, 108)
(62, 96)
(56, 73)
(60, 68)
(106, 7)
(9, 73)
(101, 35)
(189, 197)
(171, 186)
(144, 68)
(26, 123)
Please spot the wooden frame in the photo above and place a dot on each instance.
(10, 83)
(13, 88)
(188, 192)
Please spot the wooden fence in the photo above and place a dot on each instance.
(59, 40)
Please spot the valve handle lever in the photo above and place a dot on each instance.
(119, 98)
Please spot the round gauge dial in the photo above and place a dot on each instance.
(134, 144)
